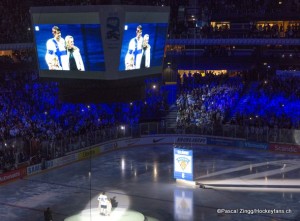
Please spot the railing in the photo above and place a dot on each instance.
(259, 134)
(34, 151)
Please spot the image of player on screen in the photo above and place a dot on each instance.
(133, 57)
(145, 62)
(56, 51)
(75, 60)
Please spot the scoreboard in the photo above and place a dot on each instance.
(105, 42)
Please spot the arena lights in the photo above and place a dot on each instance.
(155, 171)
(297, 136)
(123, 166)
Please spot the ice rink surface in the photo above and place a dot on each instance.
(236, 184)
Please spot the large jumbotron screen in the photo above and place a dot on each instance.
(99, 42)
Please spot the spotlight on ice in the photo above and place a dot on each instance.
(120, 210)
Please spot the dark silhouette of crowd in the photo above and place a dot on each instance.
(16, 23)
(188, 25)
(252, 31)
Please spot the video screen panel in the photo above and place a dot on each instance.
(142, 45)
(69, 47)
(99, 39)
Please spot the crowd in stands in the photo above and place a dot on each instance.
(16, 22)
(251, 7)
(251, 31)
(18, 59)
(188, 27)
(219, 100)
(31, 113)
(5, 59)
(206, 100)
(273, 103)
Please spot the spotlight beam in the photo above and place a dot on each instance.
(235, 169)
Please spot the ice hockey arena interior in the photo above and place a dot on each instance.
(150, 110)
